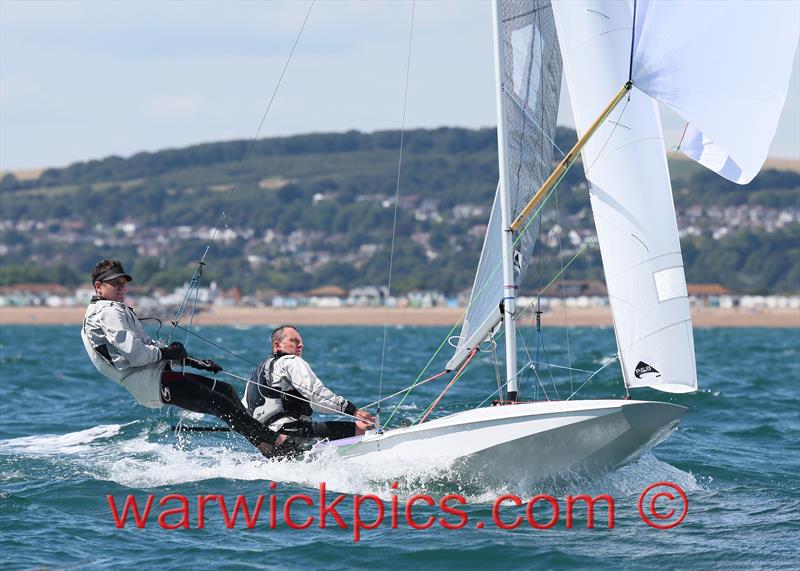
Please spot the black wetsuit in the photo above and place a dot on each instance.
(204, 395)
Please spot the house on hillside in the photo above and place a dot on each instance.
(368, 296)
(48, 295)
(570, 293)
(710, 295)
(327, 296)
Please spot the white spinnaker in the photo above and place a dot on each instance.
(531, 78)
(631, 198)
(725, 68)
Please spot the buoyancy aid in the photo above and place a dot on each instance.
(284, 388)
(268, 397)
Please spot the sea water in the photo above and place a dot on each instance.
(70, 438)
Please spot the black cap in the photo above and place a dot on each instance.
(113, 273)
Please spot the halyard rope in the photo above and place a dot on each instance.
(394, 221)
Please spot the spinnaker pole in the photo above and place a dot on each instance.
(568, 159)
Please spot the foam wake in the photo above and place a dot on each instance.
(146, 458)
(70, 443)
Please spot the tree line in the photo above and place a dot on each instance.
(335, 187)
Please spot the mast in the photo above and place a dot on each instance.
(528, 81)
(509, 286)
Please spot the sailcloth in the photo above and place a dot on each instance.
(531, 78)
(725, 68)
(631, 198)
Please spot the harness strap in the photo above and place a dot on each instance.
(292, 401)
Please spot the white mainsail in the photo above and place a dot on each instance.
(725, 68)
(531, 81)
(631, 198)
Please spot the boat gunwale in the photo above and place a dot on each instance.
(520, 410)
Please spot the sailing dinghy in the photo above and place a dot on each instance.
(696, 58)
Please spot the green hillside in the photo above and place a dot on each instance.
(317, 209)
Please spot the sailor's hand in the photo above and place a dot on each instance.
(366, 420)
(174, 352)
(360, 413)
(212, 366)
(203, 364)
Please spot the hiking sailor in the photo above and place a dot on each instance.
(121, 350)
(283, 390)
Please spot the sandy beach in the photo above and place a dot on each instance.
(702, 317)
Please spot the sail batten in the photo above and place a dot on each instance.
(531, 81)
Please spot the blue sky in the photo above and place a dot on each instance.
(85, 80)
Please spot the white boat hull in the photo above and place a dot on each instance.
(525, 442)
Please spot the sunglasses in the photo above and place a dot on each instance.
(117, 283)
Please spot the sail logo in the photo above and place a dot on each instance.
(644, 369)
(517, 263)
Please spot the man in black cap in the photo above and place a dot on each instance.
(121, 350)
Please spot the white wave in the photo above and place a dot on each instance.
(628, 480)
(407, 406)
(144, 464)
(152, 459)
(376, 477)
(184, 414)
(141, 463)
(648, 469)
(71, 443)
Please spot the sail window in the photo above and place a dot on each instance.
(670, 284)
